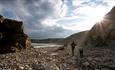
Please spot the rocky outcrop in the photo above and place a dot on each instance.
(12, 35)
(103, 32)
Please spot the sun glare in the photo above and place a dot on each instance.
(97, 15)
(93, 15)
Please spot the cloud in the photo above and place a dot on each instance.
(55, 32)
(38, 15)
(88, 12)
(54, 18)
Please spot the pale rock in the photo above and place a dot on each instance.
(86, 63)
(89, 58)
(97, 59)
(21, 67)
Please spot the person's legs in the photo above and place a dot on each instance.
(81, 52)
(73, 47)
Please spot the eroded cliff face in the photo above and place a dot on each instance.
(12, 35)
(103, 32)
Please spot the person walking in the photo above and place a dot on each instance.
(81, 52)
(73, 47)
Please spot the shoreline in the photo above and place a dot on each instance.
(45, 45)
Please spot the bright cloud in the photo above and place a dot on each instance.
(88, 12)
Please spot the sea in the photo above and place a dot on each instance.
(43, 45)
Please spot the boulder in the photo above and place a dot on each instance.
(86, 64)
(23, 39)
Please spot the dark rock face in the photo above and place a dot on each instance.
(103, 32)
(12, 35)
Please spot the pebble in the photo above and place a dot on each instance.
(105, 69)
(86, 63)
(21, 67)
(98, 59)
(89, 58)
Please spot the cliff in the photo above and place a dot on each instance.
(77, 38)
(12, 36)
(103, 32)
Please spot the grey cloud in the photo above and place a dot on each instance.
(42, 9)
(33, 12)
(94, 3)
(57, 32)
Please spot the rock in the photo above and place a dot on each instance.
(34, 66)
(44, 52)
(54, 54)
(11, 33)
(21, 67)
(114, 61)
(98, 59)
(60, 48)
(23, 39)
(112, 66)
(103, 32)
(89, 58)
(27, 67)
(105, 69)
(93, 62)
(76, 69)
(86, 63)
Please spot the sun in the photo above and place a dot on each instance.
(94, 15)
(98, 17)
(97, 14)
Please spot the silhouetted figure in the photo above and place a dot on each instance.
(73, 47)
(81, 51)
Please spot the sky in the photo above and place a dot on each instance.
(55, 18)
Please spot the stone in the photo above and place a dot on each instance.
(21, 67)
(98, 59)
(54, 54)
(86, 63)
(23, 39)
(89, 58)
(112, 66)
(94, 62)
(105, 69)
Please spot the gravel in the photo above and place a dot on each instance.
(49, 59)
